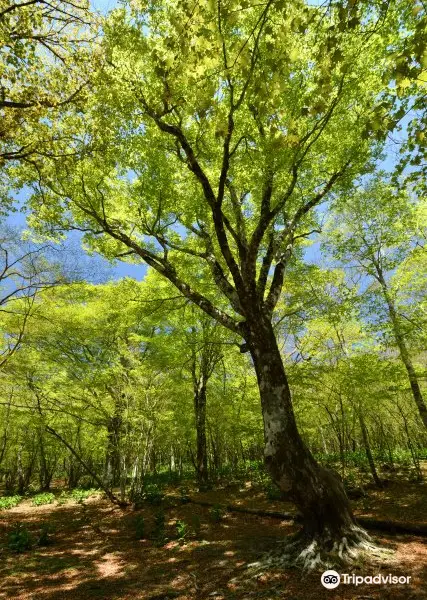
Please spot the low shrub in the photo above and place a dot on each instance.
(43, 498)
(182, 530)
(9, 502)
(216, 513)
(80, 495)
(45, 537)
(62, 498)
(153, 493)
(138, 500)
(19, 539)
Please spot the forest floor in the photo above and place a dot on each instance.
(95, 553)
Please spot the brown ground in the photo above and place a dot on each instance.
(95, 553)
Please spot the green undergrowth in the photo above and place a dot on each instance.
(43, 498)
(77, 495)
(80, 495)
(20, 539)
(9, 501)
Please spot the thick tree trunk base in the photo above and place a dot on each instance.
(348, 547)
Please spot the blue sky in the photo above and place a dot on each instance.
(104, 270)
(103, 5)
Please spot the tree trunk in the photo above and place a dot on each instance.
(24, 473)
(368, 451)
(215, 455)
(201, 462)
(4, 441)
(112, 458)
(339, 435)
(415, 460)
(317, 492)
(86, 466)
(47, 467)
(403, 350)
(74, 473)
(21, 477)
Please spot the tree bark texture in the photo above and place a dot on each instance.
(317, 492)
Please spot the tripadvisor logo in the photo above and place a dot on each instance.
(332, 579)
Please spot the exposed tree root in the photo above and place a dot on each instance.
(312, 553)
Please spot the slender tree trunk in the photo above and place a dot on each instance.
(324, 447)
(86, 466)
(387, 444)
(215, 454)
(201, 461)
(339, 435)
(4, 441)
(25, 473)
(318, 492)
(172, 460)
(368, 451)
(415, 460)
(112, 459)
(74, 473)
(242, 452)
(44, 475)
(204, 356)
(403, 350)
(20, 470)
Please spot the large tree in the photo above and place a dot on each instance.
(216, 129)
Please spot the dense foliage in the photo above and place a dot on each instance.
(237, 150)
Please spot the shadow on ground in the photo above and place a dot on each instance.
(95, 554)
